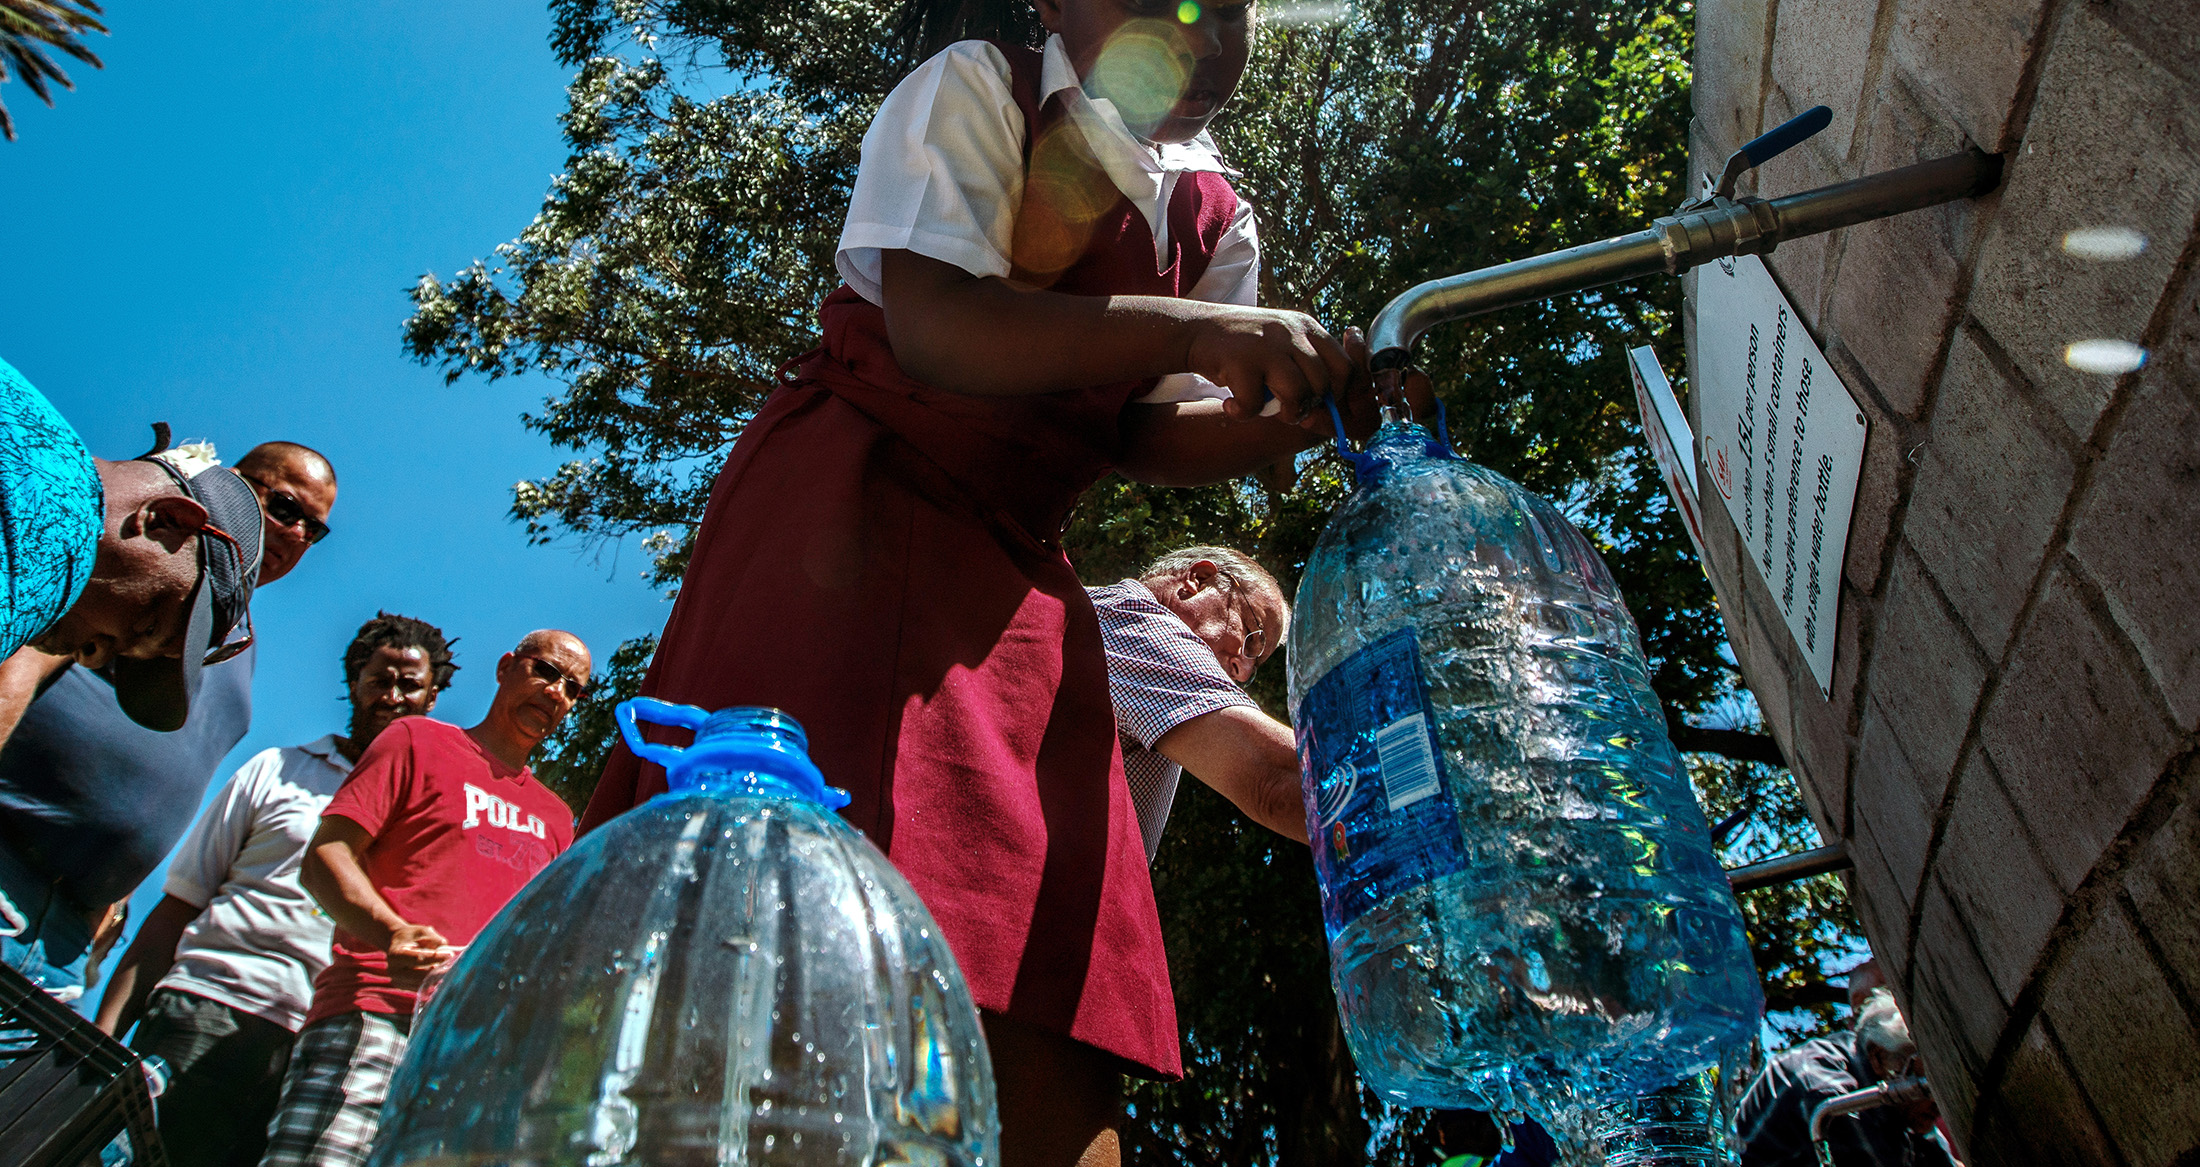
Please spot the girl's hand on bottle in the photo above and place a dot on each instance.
(1258, 353)
(1357, 403)
(1360, 405)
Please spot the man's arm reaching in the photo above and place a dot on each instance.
(147, 960)
(332, 873)
(1249, 758)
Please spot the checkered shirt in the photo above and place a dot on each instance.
(1160, 676)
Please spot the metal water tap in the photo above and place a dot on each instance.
(1759, 150)
(1715, 225)
(1895, 1092)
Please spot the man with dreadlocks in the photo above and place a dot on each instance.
(220, 977)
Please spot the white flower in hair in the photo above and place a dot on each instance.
(191, 457)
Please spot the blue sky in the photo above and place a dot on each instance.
(218, 230)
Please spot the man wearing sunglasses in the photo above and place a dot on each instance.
(297, 489)
(435, 829)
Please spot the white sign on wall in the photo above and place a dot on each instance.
(1783, 443)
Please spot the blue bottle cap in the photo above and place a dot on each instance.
(765, 745)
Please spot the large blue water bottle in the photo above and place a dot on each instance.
(1523, 909)
(728, 974)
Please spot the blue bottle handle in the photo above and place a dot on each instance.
(660, 713)
(788, 767)
(1364, 465)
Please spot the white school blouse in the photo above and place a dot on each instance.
(942, 174)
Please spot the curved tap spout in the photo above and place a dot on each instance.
(1672, 245)
(1897, 1092)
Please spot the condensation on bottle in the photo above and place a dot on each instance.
(727, 974)
(1523, 908)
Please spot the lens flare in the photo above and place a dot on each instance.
(1143, 70)
(2104, 244)
(1304, 13)
(1065, 193)
(1187, 13)
(2107, 357)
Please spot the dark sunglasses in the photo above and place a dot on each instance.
(287, 511)
(555, 678)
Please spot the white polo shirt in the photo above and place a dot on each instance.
(259, 939)
(943, 173)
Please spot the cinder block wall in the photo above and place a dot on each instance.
(2009, 748)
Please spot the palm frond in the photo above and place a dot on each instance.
(27, 29)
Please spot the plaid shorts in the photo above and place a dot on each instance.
(339, 1074)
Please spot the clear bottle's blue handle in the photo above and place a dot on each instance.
(655, 712)
(1363, 465)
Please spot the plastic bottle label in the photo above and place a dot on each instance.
(1384, 819)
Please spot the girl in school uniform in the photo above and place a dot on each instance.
(1048, 276)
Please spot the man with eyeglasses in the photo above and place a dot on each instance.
(1180, 641)
(221, 973)
(147, 609)
(435, 830)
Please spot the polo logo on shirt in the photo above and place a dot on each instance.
(484, 806)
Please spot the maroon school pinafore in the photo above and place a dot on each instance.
(882, 559)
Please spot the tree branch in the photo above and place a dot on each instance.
(1727, 743)
(1803, 996)
(1742, 814)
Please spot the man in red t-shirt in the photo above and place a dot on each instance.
(435, 830)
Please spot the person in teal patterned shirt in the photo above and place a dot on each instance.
(51, 513)
(127, 567)
(134, 569)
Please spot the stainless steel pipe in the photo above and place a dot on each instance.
(1675, 243)
(1789, 868)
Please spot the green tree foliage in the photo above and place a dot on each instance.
(571, 759)
(30, 27)
(677, 262)
(1799, 932)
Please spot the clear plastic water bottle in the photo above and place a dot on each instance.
(1689, 1123)
(1523, 909)
(727, 974)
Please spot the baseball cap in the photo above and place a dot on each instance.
(157, 694)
